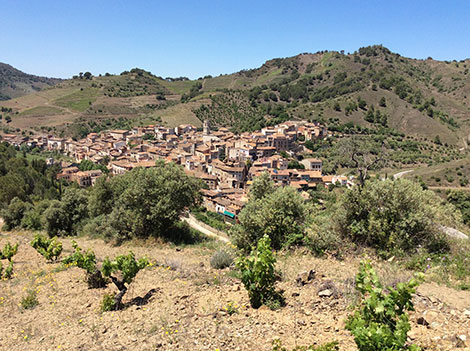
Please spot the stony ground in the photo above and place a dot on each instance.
(187, 310)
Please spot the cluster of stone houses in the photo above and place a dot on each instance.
(83, 178)
(226, 162)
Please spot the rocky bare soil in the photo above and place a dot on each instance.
(188, 304)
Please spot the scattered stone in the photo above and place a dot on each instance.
(328, 288)
(453, 233)
(429, 319)
(422, 321)
(460, 341)
(325, 293)
(305, 277)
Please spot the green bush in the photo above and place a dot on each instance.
(144, 202)
(321, 239)
(331, 346)
(66, 216)
(86, 261)
(6, 254)
(8, 271)
(25, 179)
(108, 303)
(257, 271)
(49, 248)
(32, 218)
(29, 301)
(281, 215)
(128, 267)
(8, 251)
(14, 213)
(221, 259)
(212, 219)
(380, 322)
(461, 200)
(393, 216)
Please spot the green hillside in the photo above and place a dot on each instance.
(370, 89)
(14, 83)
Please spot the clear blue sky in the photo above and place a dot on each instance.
(181, 38)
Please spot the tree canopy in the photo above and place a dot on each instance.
(144, 202)
(280, 213)
(393, 216)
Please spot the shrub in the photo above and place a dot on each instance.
(86, 261)
(461, 200)
(32, 218)
(6, 254)
(331, 346)
(66, 216)
(8, 251)
(380, 321)
(257, 271)
(215, 220)
(281, 215)
(221, 259)
(392, 215)
(262, 186)
(144, 202)
(49, 248)
(14, 213)
(321, 239)
(8, 271)
(30, 300)
(128, 267)
(108, 303)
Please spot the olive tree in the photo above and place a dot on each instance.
(281, 215)
(393, 215)
(144, 202)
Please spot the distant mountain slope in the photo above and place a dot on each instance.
(372, 88)
(14, 83)
(368, 88)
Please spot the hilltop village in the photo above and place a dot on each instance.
(226, 162)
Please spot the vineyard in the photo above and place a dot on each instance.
(177, 301)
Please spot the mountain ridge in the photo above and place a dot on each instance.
(15, 83)
(370, 88)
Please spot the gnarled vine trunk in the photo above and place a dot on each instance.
(122, 290)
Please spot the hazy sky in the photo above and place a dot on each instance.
(182, 38)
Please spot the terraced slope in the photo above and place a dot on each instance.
(369, 89)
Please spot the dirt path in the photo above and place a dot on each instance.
(195, 224)
(401, 174)
(232, 84)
